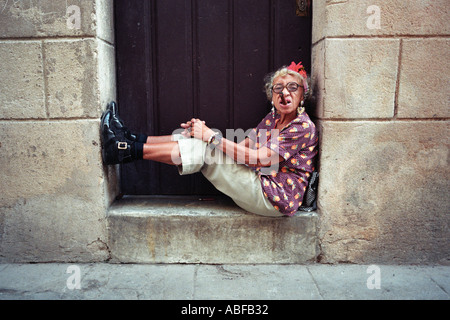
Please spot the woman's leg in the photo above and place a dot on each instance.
(159, 139)
(162, 150)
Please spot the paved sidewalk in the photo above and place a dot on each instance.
(102, 281)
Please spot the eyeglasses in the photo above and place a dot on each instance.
(291, 86)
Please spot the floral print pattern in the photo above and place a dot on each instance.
(285, 183)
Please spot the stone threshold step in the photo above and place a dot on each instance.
(212, 230)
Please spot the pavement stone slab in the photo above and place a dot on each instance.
(189, 282)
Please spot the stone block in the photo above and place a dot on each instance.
(21, 80)
(337, 18)
(72, 78)
(319, 21)
(46, 18)
(104, 10)
(106, 73)
(317, 79)
(424, 79)
(52, 205)
(360, 78)
(384, 191)
(184, 230)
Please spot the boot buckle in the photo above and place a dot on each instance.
(122, 146)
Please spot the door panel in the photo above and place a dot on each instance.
(178, 59)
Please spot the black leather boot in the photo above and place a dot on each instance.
(117, 124)
(115, 149)
(116, 152)
(106, 133)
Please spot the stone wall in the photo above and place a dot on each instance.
(57, 70)
(381, 88)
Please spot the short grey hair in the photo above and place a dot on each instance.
(283, 71)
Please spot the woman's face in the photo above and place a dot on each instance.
(287, 102)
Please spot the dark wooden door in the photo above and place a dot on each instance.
(178, 59)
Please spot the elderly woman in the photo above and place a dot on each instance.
(267, 173)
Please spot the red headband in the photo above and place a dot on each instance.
(299, 68)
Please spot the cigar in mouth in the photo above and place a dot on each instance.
(282, 98)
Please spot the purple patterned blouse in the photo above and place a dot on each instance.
(285, 183)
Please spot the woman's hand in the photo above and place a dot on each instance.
(187, 129)
(196, 128)
(200, 131)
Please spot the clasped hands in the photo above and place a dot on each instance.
(196, 128)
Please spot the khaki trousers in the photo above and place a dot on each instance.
(237, 181)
